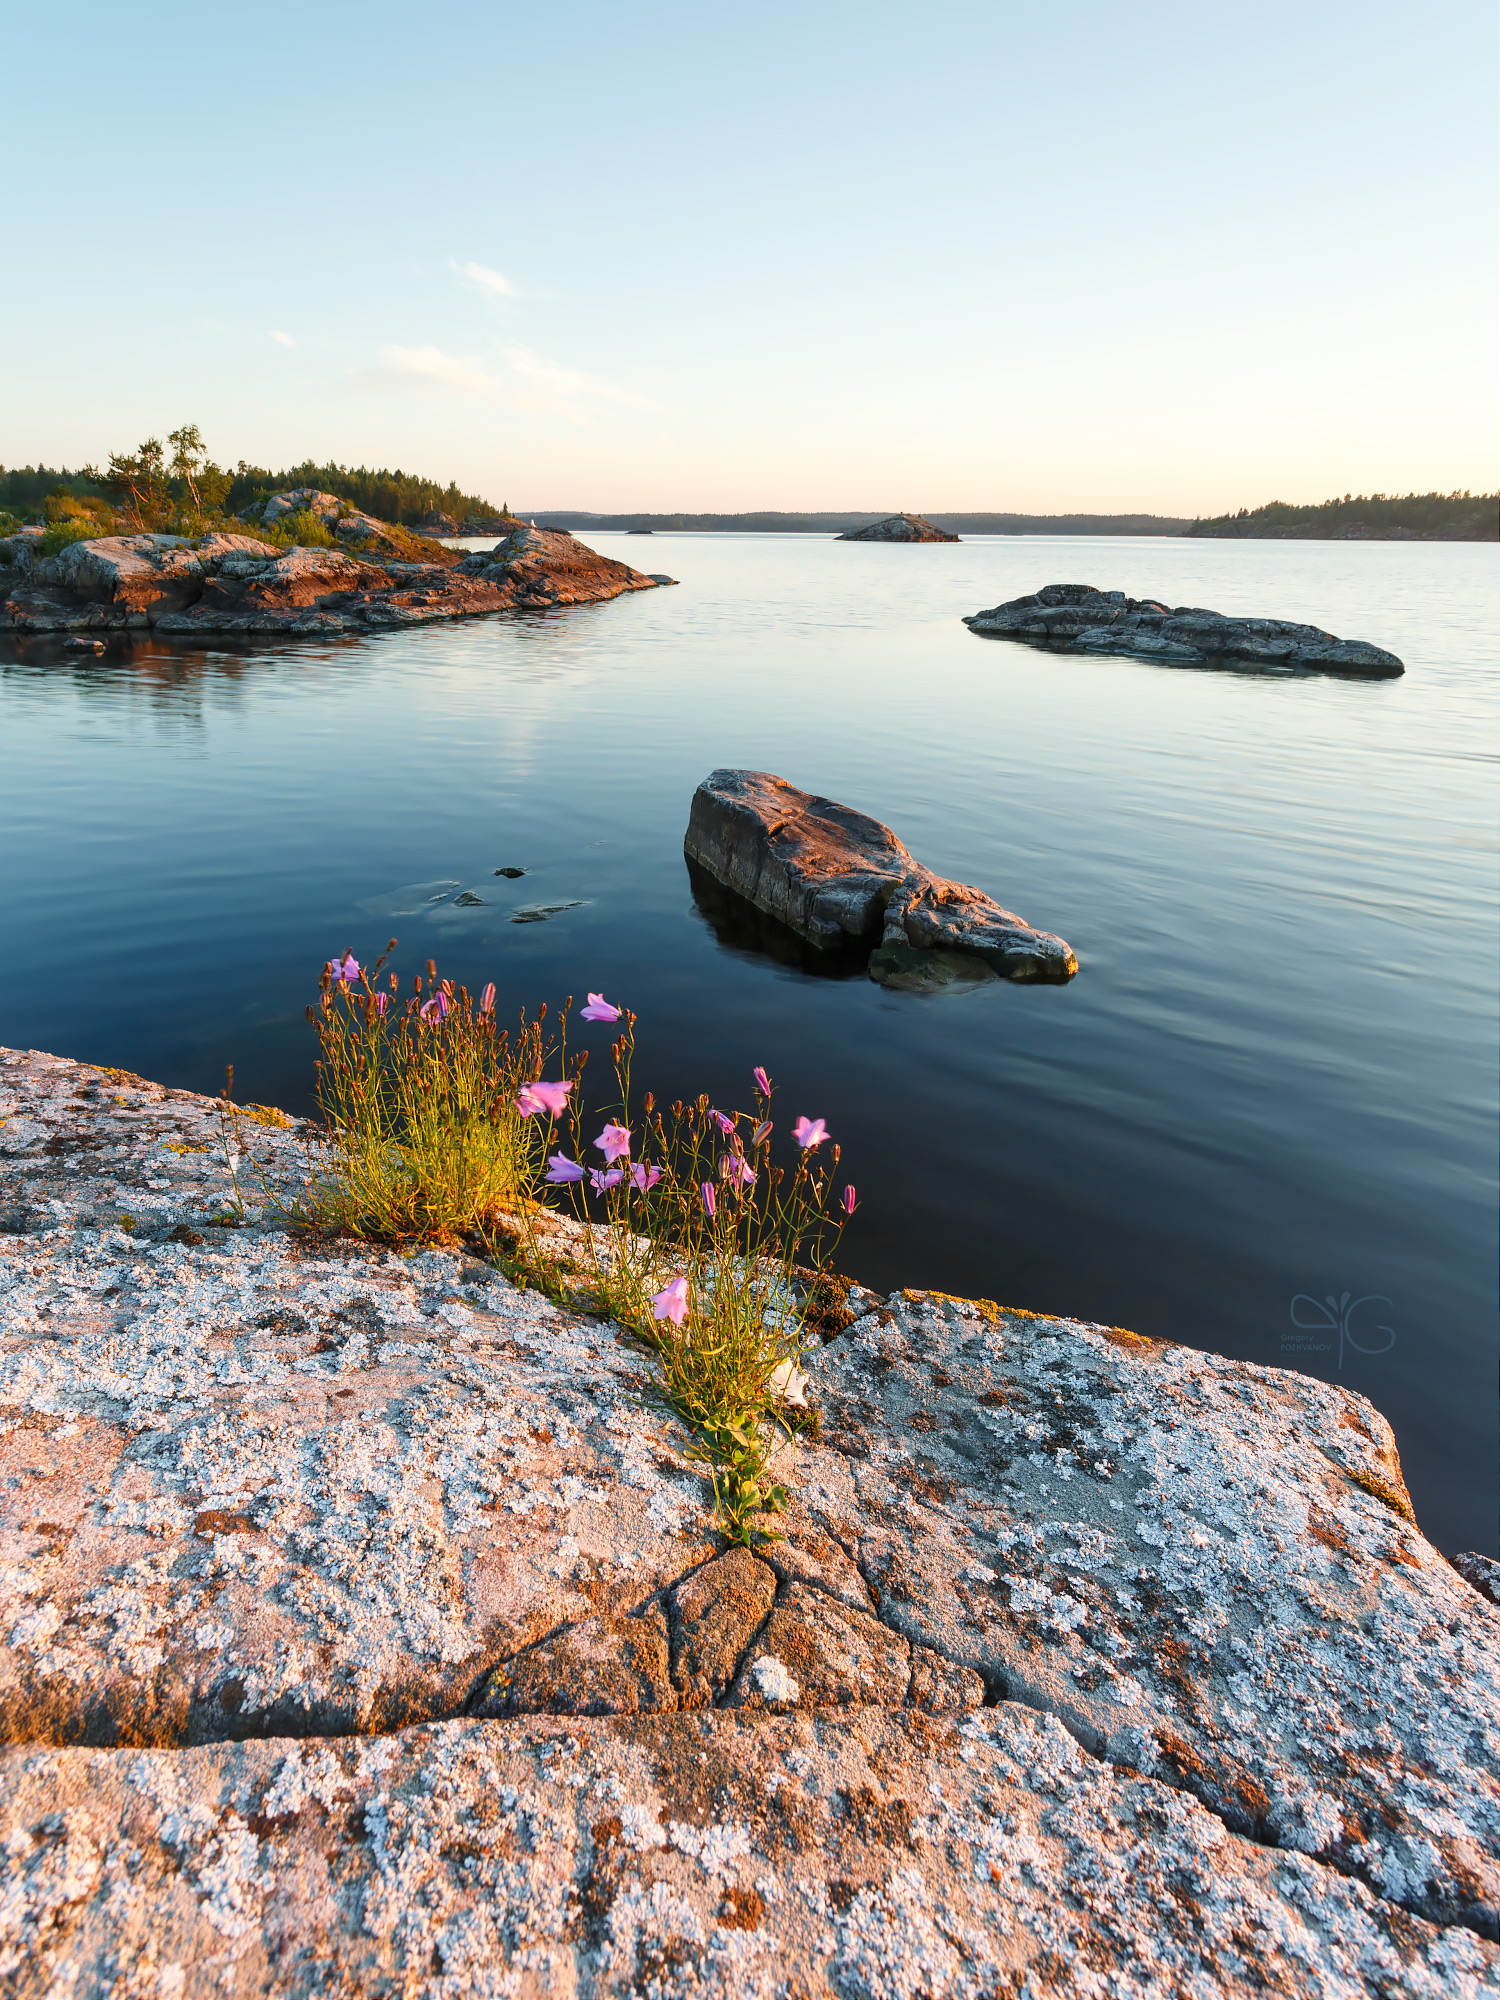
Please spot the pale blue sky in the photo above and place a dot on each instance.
(1034, 256)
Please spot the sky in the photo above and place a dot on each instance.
(1031, 255)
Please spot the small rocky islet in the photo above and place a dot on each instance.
(1075, 617)
(898, 528)
(225, 583)
(367, 1630)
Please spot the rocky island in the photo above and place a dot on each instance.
(1075, 617)
(223, 583)
(366, 1630)
(837, 877)
(898, 528)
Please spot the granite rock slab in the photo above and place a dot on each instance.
(221, 585)
(837, 877)
(1075, 617)
(363, 1626)
(866, 1854)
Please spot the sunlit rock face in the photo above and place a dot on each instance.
(1075, 617)
(363, 1615)
(221, 584)
(835, 876)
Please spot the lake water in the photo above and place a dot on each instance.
(1272, 1081)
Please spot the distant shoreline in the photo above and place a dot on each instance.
(1379, 520)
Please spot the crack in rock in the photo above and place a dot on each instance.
(1201, 1705)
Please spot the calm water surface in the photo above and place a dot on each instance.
(1272, 1079)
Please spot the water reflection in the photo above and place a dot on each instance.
(1255, 1090)
(747, 932)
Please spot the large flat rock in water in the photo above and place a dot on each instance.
(1075, 617)
(835, 876)
(225, 584)
(365, 1630)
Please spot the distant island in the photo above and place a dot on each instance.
(843, 524)
(1364, 517)
(899, 528)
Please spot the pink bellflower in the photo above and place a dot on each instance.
(809, 1132)
(849, 1200)
(724, 1123)
(708, 1199)
(763, 1132)
(346, 970)
(602, 1182)
(487, 999)
(599, 1009)
(761, 1081)
(435, 1009)
(614, 1142)
(380, 1002)
(549, 1097)
(560, 1169)
(645, 1177)
(671, 1302)
(733, 1167)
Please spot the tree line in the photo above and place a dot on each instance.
(1428, 517)
(163, 481)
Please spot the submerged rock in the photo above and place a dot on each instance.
(834, 875)
(221, 584)
(1075, 617)
(1078, 1649)
(898, 528)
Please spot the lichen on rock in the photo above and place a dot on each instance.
(366, 1629)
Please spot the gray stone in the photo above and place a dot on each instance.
(1481, 1571)
(601, 1666)
(939, 1687)
(814, 1652)
(717, 1611)
(1076, 617)
(1236, 1724)
(836, 876)
(877, 1855)
(898, 528)
(233, 584)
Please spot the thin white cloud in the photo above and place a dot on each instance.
(530, 382)
(428, 371)
(282, 339)
(554, 388)
(492, 283)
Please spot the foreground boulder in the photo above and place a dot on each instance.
(222, 583)
(1085, 1663)
(835, 876)
(898, 528)
(1077, 618)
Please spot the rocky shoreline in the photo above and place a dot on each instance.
(1075, 617)
(228, 584)
(366, 1629)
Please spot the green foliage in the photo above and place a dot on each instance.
(1464, 517)
(698, 1202)
(691, 1239)
(402, 497)
(305, 530)
(24, 488)
(154, 485)
(425, 1143)
(71, 528)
